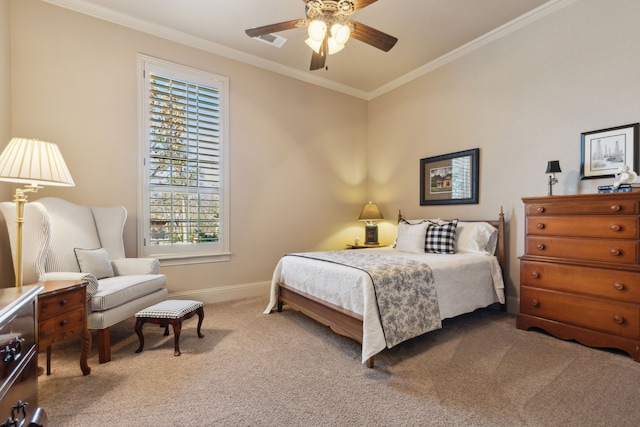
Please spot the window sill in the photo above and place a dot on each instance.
(175, 259)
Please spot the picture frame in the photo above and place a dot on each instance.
(602, 152)
(450, 179)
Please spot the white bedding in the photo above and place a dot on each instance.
(464, 282)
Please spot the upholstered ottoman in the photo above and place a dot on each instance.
(169, 312)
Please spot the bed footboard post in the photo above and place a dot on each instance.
(370, 362)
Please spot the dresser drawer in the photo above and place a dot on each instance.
(60, 327)
(21, 386)
(618, 318)
(607, 250)
(17, 338)
(53, 305)
(593, 206)
(614, 284)
(614, 227)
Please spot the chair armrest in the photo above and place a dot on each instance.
(131, 266)
(92, 287)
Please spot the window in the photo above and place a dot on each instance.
(183, 146)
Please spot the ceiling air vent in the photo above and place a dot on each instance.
(272, 39)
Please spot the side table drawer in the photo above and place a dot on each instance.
(618, 318)
(600, 282)
(60, 327)
(64, 302)
(607, 250)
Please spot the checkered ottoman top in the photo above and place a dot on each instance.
(170, 309)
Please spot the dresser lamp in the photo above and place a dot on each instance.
(369, 214)
(553, 167)
(34, 163)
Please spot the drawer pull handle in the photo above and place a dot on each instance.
(15, 419)
(619, 286)
(535, 274)
(539, 209)
(63, 322)
(64, 302)
(615, 227)
(614, 208)
(540, 246)
(13, 350)
(616, 252)
(535, 302)
(540, 226)
(618, 319)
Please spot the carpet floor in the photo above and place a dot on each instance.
(284, 369)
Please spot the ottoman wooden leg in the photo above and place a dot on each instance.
(200, 312)
(138, 328)
(177, 328)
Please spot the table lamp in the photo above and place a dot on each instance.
(369, 214)
(553, 167)
(34, 163)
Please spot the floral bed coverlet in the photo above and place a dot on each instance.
(404, 288)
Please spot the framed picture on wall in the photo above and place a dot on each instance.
(604, 151)
(450, 178)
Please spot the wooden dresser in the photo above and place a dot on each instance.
(18, 355)
(580, 273)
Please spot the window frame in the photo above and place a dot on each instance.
(188, 253)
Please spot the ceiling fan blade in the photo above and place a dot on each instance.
(318, 59)
(274, 28)
(361, 4)
(372, 37)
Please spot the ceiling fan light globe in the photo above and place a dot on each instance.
(317, 30)
(313, 44)
(340, 33)
(334, 46)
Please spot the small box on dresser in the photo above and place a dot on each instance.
(580, 273)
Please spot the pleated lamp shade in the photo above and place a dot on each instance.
(34, 162)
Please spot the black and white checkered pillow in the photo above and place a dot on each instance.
(441, 238)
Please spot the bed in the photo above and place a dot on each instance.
(383, 296)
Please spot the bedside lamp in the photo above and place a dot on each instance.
(553, 167)
(34, 163)
(369, 214)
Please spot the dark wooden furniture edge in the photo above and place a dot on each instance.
(584, 336)
(348, 323)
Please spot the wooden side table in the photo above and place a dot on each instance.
(62, 312)
(363, 245)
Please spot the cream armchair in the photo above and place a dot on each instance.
(65, 241)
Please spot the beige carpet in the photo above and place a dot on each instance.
(285, 369)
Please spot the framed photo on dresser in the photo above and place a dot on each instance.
(604, 151)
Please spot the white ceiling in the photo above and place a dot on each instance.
(429, 32)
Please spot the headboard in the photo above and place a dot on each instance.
(501, 252)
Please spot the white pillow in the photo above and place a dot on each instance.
(476, 237)
(94, 261)
(411, 236)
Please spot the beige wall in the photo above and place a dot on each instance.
(296, 183)
(523, 100)
(5, 127)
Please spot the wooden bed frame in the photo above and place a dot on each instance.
(348, 323)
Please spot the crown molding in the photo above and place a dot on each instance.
(161, 31)
(502, 31)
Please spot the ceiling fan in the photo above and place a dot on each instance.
(329, 28)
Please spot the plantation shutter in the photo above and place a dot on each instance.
(184, 162)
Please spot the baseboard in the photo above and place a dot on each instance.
(513, 304)
(226, 293)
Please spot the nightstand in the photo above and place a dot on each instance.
(363, 246)
(62, 312)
